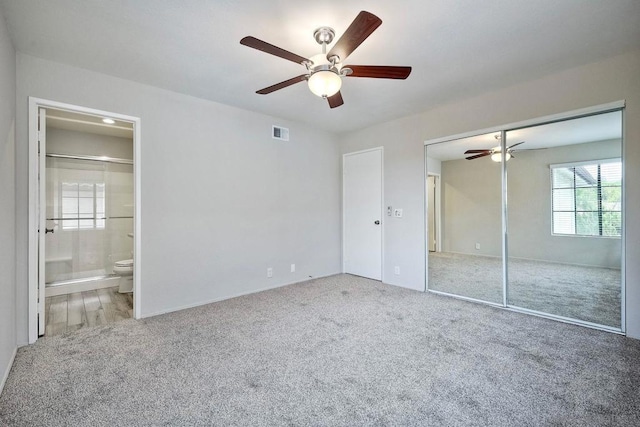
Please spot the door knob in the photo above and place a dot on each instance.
(48, 230)
(377, 222)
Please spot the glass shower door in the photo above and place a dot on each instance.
(75, 244)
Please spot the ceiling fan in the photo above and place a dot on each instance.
(495, 153)
(324, 71)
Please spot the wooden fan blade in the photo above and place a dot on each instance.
(478, 156)
(282, 85)
(477, 151)
(379, 71)
(361, 28)
(514, 145)
(335, 100)
(271, 49)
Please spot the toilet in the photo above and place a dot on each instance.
(124, 269)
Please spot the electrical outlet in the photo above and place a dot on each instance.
(389, 209)
(396, 270)
(269, 272)
(478, 246)
(397, 213)
(293, 268)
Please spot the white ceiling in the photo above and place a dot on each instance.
(600, 127)
(457, 48)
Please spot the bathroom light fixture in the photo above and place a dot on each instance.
(108, 121)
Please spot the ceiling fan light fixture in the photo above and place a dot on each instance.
(325, 70)
(497, 156)
(324, 83)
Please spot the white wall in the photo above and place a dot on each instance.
(221, 200)
(593, 84)
(7, 202)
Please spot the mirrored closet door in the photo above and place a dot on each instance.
(565, 219)
(467, 262)
(561, 254)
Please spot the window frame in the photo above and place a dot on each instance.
(97, 223)
(597, 162)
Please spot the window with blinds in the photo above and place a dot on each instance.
(587, 198)
(83, 205)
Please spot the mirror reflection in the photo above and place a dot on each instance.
(565, 219)
(464, 232)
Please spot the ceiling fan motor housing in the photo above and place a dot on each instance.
(324, 35)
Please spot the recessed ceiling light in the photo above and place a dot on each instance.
(108, 121)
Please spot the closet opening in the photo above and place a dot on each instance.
(533, 217)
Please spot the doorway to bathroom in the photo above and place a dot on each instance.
(85, 205)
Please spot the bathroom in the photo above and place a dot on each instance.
(89, 220)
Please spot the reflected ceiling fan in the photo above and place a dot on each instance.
(324, 71)
(495, 152)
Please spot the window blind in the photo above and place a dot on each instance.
(587, 198)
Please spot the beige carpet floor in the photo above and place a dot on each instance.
(590, 294)
(338, 351)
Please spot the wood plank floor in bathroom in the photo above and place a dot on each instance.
(71, 312)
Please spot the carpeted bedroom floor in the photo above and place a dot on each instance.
(590, 294)
(342, 351)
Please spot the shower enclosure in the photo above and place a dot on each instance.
(89, 219)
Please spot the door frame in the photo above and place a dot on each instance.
(34, 203)
(382, 204)
(436, 211)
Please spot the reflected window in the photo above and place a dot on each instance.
(83, 205)
(587, 198)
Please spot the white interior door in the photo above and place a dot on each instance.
(431, 213)
(42, 212)
(362, 205)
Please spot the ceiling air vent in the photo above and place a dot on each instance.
(278, 132)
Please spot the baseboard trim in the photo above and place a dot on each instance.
(226, 297)
(8, 369)
(411, 288)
